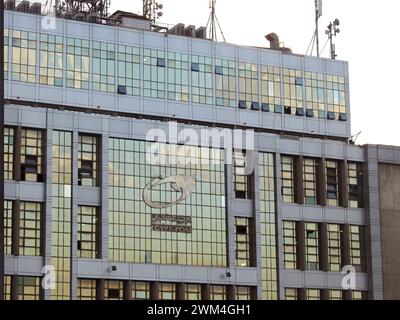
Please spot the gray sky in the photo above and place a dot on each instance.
(367, 41)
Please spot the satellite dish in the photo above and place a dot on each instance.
(337, 22)
(160, 6)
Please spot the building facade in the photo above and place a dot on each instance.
(88, 215)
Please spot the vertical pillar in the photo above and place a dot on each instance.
(343, 184)
(100, 289)
(302, 293)
(2, 150)
(231, 293)
(230, 220)
(14, 287)
(253, 293)
(375, 268)
(321, 182)
(205, 292)
(154, 290)
(49, 199)
(15, 227)
(363, 249)
(278, 223)
(255, 250)
(345, 245)
(301, 252)
(325, 294)
(347, 295)
(17, 154)
(299, 179)
(103, 216)
(74, 213)
(128, 290)
(99, 234)
(42, 235)
(99, 179)
(252, 244)
(180, 291)
(323, 247)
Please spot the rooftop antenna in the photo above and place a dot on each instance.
(318, 15)
(52, 6)
(98, 8)
(315, 39)
(353, 139)
(87, 6)
(331, 31)
(152, 10)
(213, 24)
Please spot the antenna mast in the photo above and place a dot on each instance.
(332, 31)
(97, 8)
(151, 10)
(315, 39)
(213, 24)
(318, 15)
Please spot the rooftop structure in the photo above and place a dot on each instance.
(276, 217)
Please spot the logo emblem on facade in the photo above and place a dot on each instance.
(183, 184)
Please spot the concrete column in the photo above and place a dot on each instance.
(323, 247)
(49, 200)
(343, 184)
(253, 243)
(100, 289)
(99, 235)
(180, 291)
(154, 290)
(373, 231)
(345, 245)
(15, 227)
(230, 223)
(347, 295)
(302, 293)
(127, 290)
(253, 293)
(321, 182)
(256, 227)
(301, 250)
(363, 249)
(325, 294)
(231, 293)
(205, 292)
(279, 227)
(17, 154)
(74, 213)
(103, 216)
(299, 179)
(14, 287)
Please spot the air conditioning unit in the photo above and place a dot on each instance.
(190, 31)
(23, 6)
(92, 18)
(79, 16)
(9, 5)
(36, 8)
(178, 30)
(201, 33)
(67, 15)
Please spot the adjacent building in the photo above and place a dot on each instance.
(84, 203)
